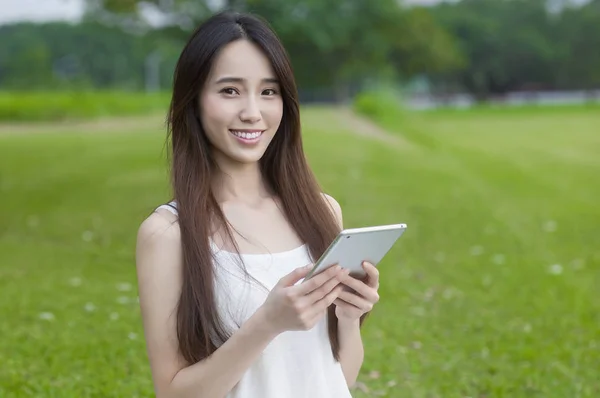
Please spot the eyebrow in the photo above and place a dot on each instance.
(228, 79)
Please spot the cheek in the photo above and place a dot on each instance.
(274, 111)
(215, 112)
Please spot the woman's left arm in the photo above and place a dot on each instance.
(351, 305)
(356, 300)
(351, 349)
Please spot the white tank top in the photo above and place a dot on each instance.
(296, 364)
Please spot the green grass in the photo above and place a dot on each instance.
(76, 105)
(492, 292)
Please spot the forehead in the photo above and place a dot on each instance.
(242, 59)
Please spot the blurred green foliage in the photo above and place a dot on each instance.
(377, 104)
(70, 105)
(484, 47)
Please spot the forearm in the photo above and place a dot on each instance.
(218, 374)
(351, 349)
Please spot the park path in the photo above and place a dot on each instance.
(101, 125)
(362, 126)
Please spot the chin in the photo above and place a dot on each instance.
(248, 159)
(244, 157)
(248, 155)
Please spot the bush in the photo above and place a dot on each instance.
(55, 106)
(378, 105)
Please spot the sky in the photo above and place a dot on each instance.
(40, 10)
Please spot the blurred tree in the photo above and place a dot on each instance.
(577, 39)
(488, 47)
(524, 44)
(38, 71)
(25, 60)
(175, 17)
(61, 55)
(422, 46)
(507, 44)
(333, 44)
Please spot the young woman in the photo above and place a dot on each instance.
(219, 267)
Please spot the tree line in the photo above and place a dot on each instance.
(484, 47)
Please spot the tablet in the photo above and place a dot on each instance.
(353, 246)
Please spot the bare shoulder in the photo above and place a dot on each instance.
(335, 207)
(158, 251)
(160, 227)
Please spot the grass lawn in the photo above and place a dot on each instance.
(492, 292)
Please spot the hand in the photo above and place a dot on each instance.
(300, 307)
(361, 296)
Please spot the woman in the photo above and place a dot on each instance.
(219, 267)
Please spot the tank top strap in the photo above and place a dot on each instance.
(171, 206)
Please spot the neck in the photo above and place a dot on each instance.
(239, 182)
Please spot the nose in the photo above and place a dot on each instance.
(251, 112)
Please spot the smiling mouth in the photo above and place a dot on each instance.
(248, 135)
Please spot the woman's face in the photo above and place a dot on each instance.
(240, 105)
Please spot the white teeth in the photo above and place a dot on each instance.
(247, 136)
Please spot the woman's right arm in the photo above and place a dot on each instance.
(158, 263)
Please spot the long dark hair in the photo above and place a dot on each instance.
(283, 167)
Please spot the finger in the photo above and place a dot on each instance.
(316, 281)
(326, 301)
(293, 277)
(322, 291)
(348, 308)
(356, 301)
(360, 287)
(373, 274)
(342, 303)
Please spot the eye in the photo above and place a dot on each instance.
(270, 92)
(229, 91)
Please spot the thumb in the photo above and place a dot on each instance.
(293, 277)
